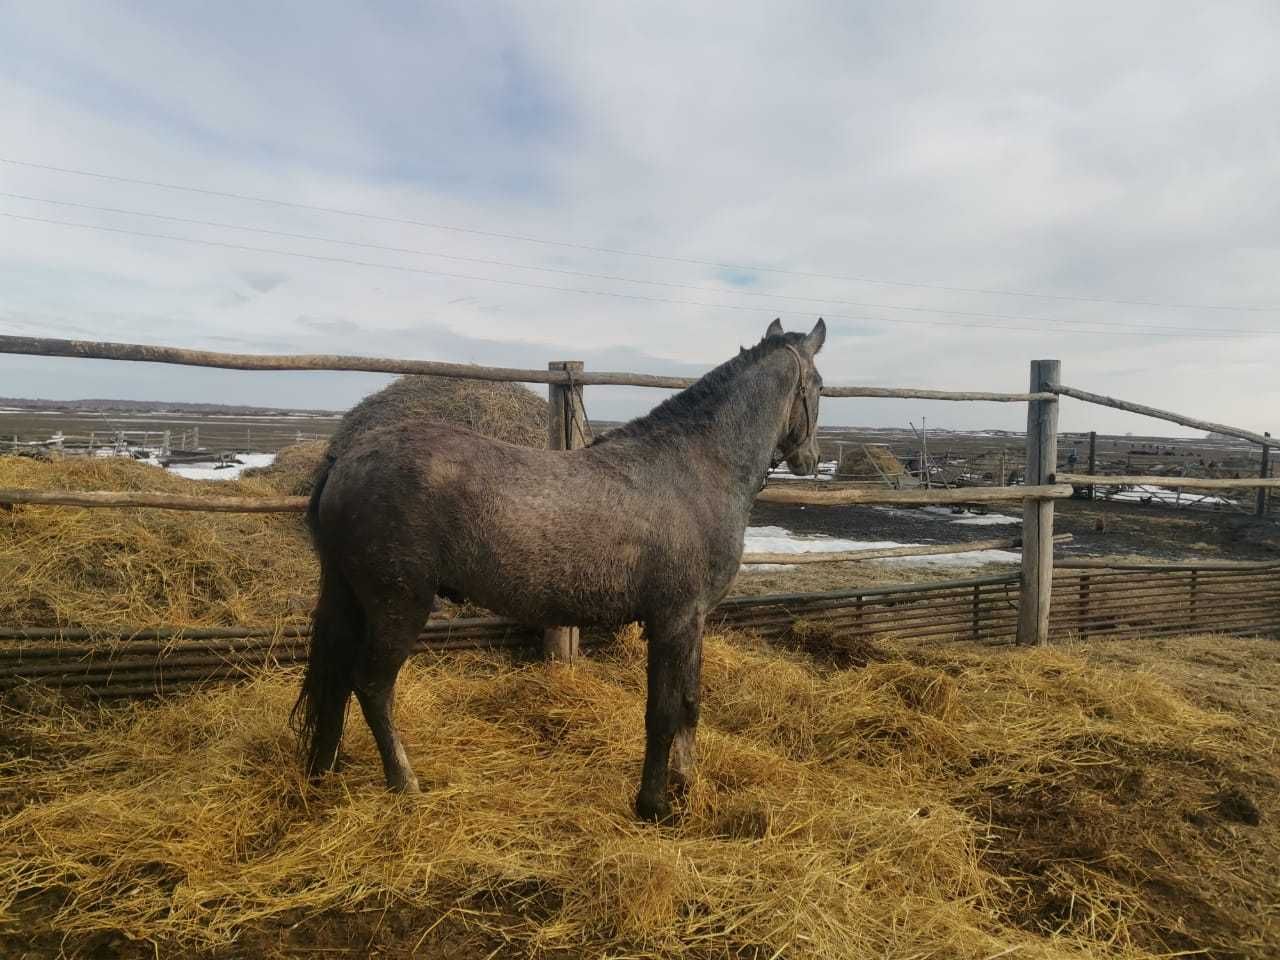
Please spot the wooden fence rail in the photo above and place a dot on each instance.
(885, 553)
(1092, 603)
(1156, 412)
(827, 494)
(145, 353)
(1188, 483)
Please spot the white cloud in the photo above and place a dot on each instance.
(1093, 150)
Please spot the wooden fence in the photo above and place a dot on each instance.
(991, 615)
(117, 663)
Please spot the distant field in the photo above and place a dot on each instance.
(266, 433)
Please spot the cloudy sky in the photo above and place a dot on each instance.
(957, 188)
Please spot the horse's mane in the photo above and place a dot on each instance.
(696, 403)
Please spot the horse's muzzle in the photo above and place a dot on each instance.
(803, 463)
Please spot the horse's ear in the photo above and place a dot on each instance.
(775, 329)
(817, 337)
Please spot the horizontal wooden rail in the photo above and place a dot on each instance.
(771, 494)
(144, 353)
(834, 495)
(1157, 413)
(892, 589)
(1190, 483)
(1101, 563)
(157, 501)
(849, 556)
(915, 393)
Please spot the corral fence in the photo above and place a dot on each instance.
(1082, 598)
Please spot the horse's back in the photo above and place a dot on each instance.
(544, 536)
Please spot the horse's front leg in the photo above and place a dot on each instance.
(671, 712)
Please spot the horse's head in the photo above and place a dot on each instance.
(798, 444)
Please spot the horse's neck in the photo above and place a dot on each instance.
(732, 440)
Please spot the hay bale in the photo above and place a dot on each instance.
(871, 462)
(502, 411)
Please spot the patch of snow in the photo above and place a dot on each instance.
(986, 520)
(197, 471)
(826, 471)
(781, 540)
(1160, 494)
(971, 520)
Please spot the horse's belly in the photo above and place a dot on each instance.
(547, 603)
(553, 584)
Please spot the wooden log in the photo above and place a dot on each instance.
(848, 556)
(914, 393)
(145, 353)
(834, 494)
(1037, 515)
(1093, 461)
(1190, 483)
(158, 501)
(1263, 474)
(1155, 412)
(1087, 563)
(565, 421)
(787, 599)
(458, 626)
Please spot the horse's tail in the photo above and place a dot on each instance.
(337, 623)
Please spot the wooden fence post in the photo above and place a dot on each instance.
(1037, 515)
(1093, 460)
(1084, 606)
(566, 430)
(1266, 471)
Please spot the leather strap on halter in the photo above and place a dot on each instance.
(808, 417)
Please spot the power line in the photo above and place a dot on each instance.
(668, 258)
(546, 286)
(1136, 325)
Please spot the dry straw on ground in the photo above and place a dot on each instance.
(973, 805)
(72, 567)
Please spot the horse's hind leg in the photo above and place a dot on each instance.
(671, 711)
(389, 640)
(684, 755)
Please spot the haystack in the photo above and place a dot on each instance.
(871, 462)
(503, 411)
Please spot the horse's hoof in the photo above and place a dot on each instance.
(655, 811)
(408, 785)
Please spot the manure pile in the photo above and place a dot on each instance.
(871, 803)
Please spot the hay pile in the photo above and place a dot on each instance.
(293, 471)
(503, 411)
(872, 462)
(966, 805)
(70, 567)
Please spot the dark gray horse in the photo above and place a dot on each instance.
(645, 524)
